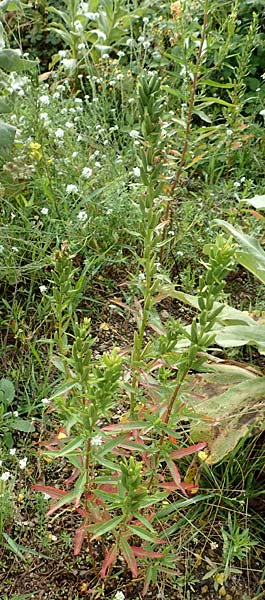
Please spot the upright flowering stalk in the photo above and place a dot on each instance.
(150, 110)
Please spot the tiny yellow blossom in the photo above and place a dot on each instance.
(219, 578)
(35, 150)
(202, 455)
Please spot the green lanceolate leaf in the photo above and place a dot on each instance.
(213, 83)
(103, 528)
(68, 448)
(142, 533)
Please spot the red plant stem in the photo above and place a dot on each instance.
(87, 467)
(168, 414)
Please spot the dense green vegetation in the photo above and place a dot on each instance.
(132, 307)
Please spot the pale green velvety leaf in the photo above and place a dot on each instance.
(234, 336)
(251, 255)
(257, 201)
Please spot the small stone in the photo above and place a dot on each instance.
(204, 589)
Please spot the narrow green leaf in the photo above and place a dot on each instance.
(63, 389)
(143, 533)
(14, 546)
(68, 448)
(173, 507)
(212, 83)
(213, 100)
(105, 527)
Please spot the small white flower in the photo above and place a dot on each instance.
(59, 133)
(98, 165)
(43, 116)
(130, 42)
(78, 26)
(82, 216)
(45, 401)
(119, 596)
(43, 288)
(62, 53)
(145, 20)
(97, 440)
(81, 46)
(101, 35)
(262, 112)
(15, 413)
(141, 276)
(120, 54)
(5, 476)
(69, 125)
(44, 99)
(69, 64)
(134, 134)
(86, 172)
(22, 463)
(213, 545)
(141, 38)
(56, 95)
(105, 56)
(75, 154)
(146, 44)
(137, 171)
(229, 132)
(237, 184)
(44, 211)
(12, 451)
(71, 188)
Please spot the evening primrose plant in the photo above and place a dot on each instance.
(123, 471)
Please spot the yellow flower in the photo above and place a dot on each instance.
(35, 150)
(219, 578)
(202, 455)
